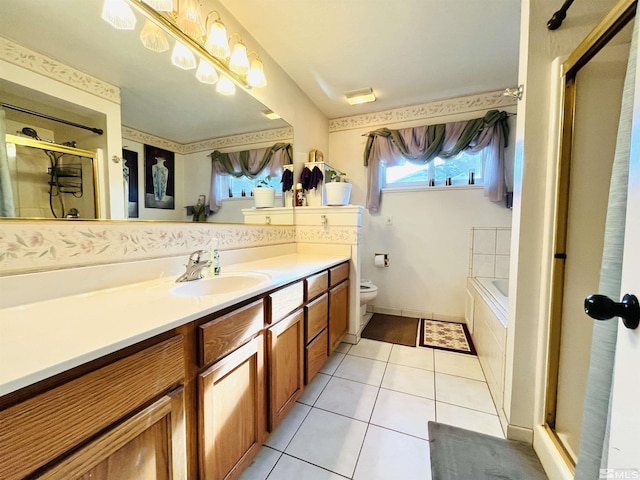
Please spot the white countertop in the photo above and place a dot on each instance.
(45, 338)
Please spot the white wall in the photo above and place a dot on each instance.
(428, 242)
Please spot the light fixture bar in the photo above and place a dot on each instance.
(179, 35)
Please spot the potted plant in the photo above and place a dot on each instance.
(264, 195)
(338, 190)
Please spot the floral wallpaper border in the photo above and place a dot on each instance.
(469, 103)
(337, 235)
(49, 245)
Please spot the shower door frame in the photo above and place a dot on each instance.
(623, 12)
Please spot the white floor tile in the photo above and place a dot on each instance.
(412, 357)
(261, 465)
(343, 347)
(403, 412)
(468, 419)
(391, 455)
(332, 363)
(329, 440)
(360, 369)
(409, 380)
(284, 432)
(349, 398)
(371, 349)
(464, 392)
(289, 468)
(458, 364)
(312, 391)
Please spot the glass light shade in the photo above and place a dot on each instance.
(160, 5)
(256, 77)
(225, 86)
(361, 96)
(118, 14)
(239, 63)
(153, 37)
(183, 57)
(189, 19)
(217, 43)
(206, 73)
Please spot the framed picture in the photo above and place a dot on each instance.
(130, 172)
(159, 170)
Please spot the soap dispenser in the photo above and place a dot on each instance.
(214, 257)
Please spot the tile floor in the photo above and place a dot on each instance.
(364, 416)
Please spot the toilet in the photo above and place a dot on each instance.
(368, 291)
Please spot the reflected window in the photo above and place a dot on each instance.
(237, 187)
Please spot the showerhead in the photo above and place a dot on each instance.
(30, 132)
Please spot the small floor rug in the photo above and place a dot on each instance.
(450, 336)
(392, 329)
(458, 454)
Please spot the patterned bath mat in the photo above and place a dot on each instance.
(450, 336)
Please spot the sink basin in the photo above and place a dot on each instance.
(225, 283)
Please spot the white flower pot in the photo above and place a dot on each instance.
(264, 197)
(338, 193)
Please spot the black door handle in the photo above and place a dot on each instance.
(601, 307)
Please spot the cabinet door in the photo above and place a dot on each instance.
(286, 365)
(338, 314)
(151, 445)
(231, 417)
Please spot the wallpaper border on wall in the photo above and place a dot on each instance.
(148, 139)
(49, 245)
(468, 103)
(43, 65)
(348, 235)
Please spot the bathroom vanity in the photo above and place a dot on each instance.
(193, 397)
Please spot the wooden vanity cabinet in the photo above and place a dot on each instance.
(316, 313)
(338, 304)
(92, 425)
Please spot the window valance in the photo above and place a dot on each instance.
(386, 147)
(249, 163)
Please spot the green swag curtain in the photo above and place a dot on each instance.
(387, 148)
(250, 163)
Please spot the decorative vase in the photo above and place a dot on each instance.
(160, 175)
(264, 197)
(338, 193)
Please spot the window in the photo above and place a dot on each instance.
(234, 186)
(457, 168)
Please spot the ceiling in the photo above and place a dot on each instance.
(408, 51)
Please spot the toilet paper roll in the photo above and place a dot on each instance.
(379, 261)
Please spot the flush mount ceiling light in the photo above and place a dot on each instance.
(183, 57)
(118, 14)
(206, 73)
(360, 96)
(271, 115)
(153, 37)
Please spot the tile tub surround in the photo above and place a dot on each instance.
(104, 321)
(381, 423)
(489, 252)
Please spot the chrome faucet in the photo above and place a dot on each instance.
(194, 267)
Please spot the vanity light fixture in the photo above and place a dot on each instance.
(189, 19)
(271, 115)
(153, 37)
(239, 62)
(360, 96)
(118, 14)
(206, 73)
(183, 57)
(160, 5)
(225, 86)
(256, 77)
(217, 43)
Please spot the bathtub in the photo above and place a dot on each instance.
(486, 311)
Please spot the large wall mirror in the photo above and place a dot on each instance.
(162, 107)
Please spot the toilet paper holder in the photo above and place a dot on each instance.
(381, 259)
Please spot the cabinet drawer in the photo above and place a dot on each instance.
(317, 285)
(42, 428)
(226, 333)
(285, 301)
(338, 274)
(316, 316)
(315, 356)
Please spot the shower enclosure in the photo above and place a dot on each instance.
(49, 180)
